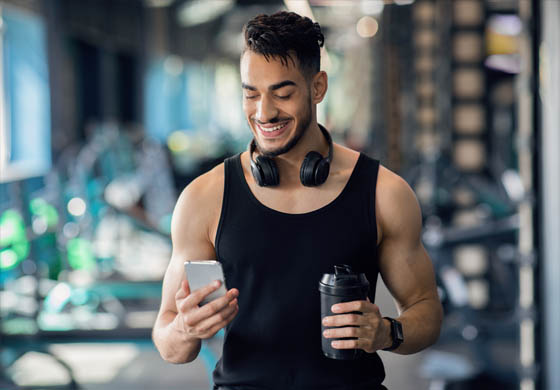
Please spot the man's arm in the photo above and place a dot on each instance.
(405, 265)
(181, 324)
(406, 270)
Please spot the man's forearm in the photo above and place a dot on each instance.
(421, 326)
(173, 344)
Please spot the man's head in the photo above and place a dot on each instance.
(281, 78)
(283, 36)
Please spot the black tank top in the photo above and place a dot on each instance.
(276, 260)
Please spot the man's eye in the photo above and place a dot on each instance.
(250, 97)
(283, 97)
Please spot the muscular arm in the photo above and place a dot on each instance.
(191, 227)
(405, 265)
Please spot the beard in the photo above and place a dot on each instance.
(302, 127)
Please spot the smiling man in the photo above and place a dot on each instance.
(280, 215)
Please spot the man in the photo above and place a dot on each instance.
(276, 230)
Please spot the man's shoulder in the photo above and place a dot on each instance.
(396, 202)
(206, 190)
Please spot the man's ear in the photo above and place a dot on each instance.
(319, 86)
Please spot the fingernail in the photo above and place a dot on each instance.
(216, 283)
(326, 333)
(334, 308)
(334, 344)
(325, 321)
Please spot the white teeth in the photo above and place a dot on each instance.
(271, 129)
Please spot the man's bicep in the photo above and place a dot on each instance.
(405, 266)
(189, 235)
(408, 277)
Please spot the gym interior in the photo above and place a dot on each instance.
(109, 108)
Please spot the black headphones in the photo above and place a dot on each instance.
(314, 169)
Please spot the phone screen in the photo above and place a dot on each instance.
(200, 273)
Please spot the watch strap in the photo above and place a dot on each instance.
(396, 334)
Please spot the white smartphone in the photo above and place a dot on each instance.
(203, 272)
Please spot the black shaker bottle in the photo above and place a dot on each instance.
(342, 286)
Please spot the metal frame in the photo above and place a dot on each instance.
(550, 192)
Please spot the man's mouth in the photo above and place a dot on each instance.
(272, 130)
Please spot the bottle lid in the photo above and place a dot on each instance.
(344, 282)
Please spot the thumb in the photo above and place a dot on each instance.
(183, 290)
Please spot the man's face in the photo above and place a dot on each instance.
(276, 102)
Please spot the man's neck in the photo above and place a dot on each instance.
(289, 164)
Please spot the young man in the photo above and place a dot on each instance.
(277, 227)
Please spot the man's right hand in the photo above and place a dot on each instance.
(203, 322)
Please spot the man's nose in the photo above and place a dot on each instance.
(266, 110)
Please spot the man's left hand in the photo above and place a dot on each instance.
(369, 330)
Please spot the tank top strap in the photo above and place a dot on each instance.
(364, 184)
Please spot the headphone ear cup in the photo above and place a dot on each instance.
(256, 170)
(308, 169)
(322, 171)
(268, 172)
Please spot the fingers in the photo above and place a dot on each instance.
(194, 298)
(345, 319)
(350, 344)
(211, 308)
(338, 333)
(208, 327)
(361, 306)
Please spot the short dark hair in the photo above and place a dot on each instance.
(279, 34)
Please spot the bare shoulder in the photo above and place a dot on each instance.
(199, 205)
(397, 207)
(345, 158)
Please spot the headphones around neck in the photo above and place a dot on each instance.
(314, 169)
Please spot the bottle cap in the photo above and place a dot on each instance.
(344, 282)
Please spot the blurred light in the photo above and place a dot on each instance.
(195, 12)
(39, 225)
(372, 7)
(506, 24)
(513, 185)
(12, 227)
(178, 141)
(28, 267)
(173, 65)
(367, 27)
(39, 370)
(471, 260)
(96, 363)
(80, 254)
(470, 333)
(404, 2)
(76, 207)
(8, 259)
(158, 3)
(57, 298)
(70, 230)
(41, 208)
(503, 62)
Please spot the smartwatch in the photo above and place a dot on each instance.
(396, 334)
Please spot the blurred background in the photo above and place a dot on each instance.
(108, 108)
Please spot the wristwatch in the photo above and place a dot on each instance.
(396, 334)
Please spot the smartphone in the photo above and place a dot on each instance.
(203, 272)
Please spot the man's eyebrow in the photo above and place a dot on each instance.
(247, 86)
(273, 87)
(281, 84)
